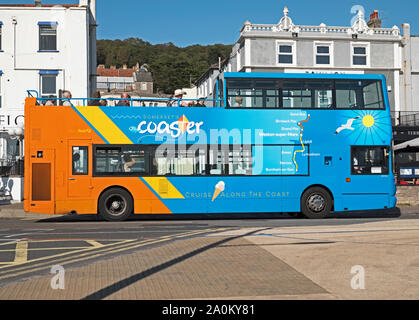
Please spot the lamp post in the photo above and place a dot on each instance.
(18, 134)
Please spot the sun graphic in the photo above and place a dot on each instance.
(368, 121)
(369, 126)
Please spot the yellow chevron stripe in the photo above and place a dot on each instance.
(163, 187)
(105, 126)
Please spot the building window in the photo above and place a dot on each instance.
(143, 86)
(323, 53)
(48, 84)
(360, 54)
(48, 36)
(286, 52)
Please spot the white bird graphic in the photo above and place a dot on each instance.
(347, 126)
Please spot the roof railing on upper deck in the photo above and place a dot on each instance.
(125, 102)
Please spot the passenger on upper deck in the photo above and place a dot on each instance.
(67, 96)
(124, 103)
(51, 101)
(96, 101)
(178, 95)
(200, 102)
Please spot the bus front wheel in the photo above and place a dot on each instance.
(115, 204)
(316, 203)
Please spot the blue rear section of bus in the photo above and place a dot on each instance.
(292, 150)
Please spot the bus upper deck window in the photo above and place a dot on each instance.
(359, 94)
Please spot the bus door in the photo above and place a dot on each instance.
(79, 178)
(42, 187)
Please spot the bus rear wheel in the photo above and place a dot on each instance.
(115, 204)
(316, 203)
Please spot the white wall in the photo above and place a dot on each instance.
(21, 62)
(21, 69)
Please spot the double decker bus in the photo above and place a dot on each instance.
(296, 143)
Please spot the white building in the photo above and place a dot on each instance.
(47, 48)
(363, 48)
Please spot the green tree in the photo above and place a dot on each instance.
(172, 67)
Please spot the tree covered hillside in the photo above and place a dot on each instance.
(172, 67)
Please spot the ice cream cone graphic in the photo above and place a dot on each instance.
(218, 189)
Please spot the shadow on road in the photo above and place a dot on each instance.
(117, 286)
(376, 214)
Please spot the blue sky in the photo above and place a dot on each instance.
(187, 22)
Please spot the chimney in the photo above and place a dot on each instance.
(38, 3)
(375, 21)
(124, 67)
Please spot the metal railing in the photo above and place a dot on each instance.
(126, 102)
(405, 118)
(12, 167)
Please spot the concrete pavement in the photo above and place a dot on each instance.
(290, 262)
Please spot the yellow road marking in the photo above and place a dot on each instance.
(128, 247)
(6, 243)
(21, 255)
(45, 249)
(94, 243)
(77, 251)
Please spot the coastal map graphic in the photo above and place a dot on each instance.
(301, 140)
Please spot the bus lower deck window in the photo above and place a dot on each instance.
(188, 162)
(370, 160)
(80, 161)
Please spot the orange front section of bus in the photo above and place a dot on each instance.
(51, 186)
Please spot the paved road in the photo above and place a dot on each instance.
(30, 247)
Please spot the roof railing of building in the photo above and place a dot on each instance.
(360, 26)
(322, 29)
